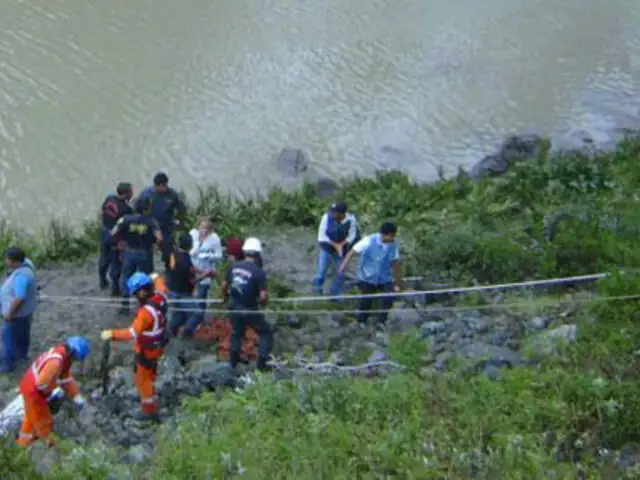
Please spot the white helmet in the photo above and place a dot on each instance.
(252, 244)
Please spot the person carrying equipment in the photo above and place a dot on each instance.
(379, 271)
(337, 232)
(148, 332)
(139, 233)
(246, 287)
(40, 382)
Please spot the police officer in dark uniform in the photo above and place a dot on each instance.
(166, 204)
(246, 288)
(113, 209)
(139, 233)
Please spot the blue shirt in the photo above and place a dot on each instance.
(20, 284)
(376, 259)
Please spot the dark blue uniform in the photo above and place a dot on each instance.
(164, 207)
(245, 281)
(138, 235)
(113, 209)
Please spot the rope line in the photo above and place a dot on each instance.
(316, 298)
(505, 306)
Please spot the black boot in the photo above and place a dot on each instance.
(104, 283)
(140, 416)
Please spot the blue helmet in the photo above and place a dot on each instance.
(138, 281)
(79, 347)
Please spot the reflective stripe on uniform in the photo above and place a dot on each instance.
(26, 436)
(64, 381)
(41, 361)
(149, 400)
(157, 329)
(134, 335)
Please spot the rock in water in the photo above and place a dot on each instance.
(292, 161)
(490, 166)
(522, 147)
(514, 149)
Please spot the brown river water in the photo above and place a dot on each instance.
(92, 93)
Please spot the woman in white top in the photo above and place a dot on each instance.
(205, 254)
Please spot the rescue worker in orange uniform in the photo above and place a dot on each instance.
(50, 369)
(148, 333)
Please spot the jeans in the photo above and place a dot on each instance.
(110, 261)
(365, 304)
(255, 320)
(179, 317)
(325, 260)
(134, 261)
(16, 338)
(196, 318)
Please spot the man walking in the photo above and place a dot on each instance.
(113, 209)
(336, 234)
(246, 287)
(139, 233)
(165, 205)
(379, 270)
(19, 294)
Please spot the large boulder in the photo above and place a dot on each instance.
(515, 148)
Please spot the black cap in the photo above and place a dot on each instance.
(339, 207)
(15, 254)
(160, 178)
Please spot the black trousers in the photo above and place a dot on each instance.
(365, 304)
(239, 324)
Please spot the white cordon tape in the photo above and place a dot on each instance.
(431, 308)
(294, 300)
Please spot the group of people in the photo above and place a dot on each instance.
(128, 236)
(379, 270)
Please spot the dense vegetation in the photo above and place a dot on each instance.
(550, 216)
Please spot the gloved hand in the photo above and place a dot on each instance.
(79, 402)
(106, 335)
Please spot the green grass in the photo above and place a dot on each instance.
(546, 217)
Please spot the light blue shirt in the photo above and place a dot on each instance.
(20, 284)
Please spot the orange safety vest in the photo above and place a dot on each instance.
(33, 373)
(152, 340)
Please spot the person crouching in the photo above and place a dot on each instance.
(50, 369)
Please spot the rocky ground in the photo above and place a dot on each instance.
(490, 340)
